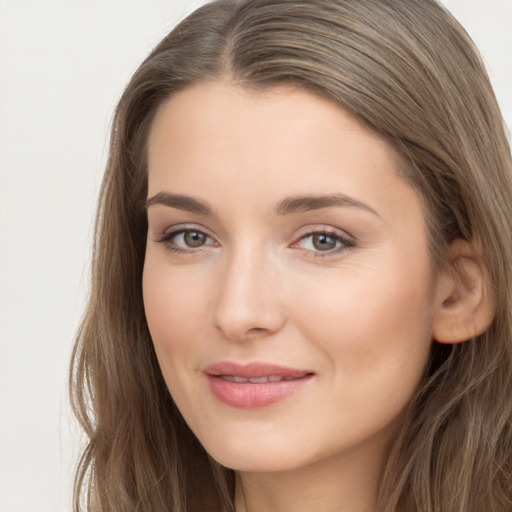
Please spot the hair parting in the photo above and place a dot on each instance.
(409, 72)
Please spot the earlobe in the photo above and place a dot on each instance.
(465, 300)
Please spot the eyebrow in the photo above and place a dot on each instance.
(180, 202)
(288, 206)
(301, 204)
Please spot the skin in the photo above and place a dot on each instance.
(359, 316)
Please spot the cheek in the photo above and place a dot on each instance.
(376, 348)
(373, 327)
(174, 306)
(175, 312)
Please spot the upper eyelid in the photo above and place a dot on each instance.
(166, 235)
(330, 230)
(345, 240)
(340, 238)
(177, 228)
(306, 231)
(179, 231)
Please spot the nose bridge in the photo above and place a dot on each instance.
(247, 302)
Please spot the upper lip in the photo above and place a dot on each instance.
(254, 370)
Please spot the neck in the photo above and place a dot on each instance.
(331, 485)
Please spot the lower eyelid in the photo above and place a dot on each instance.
(343, 243)
(337, 236)
(166, 239)
(173, 231)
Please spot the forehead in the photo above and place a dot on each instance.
(216, 138)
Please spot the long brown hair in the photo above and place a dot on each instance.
(408, 71)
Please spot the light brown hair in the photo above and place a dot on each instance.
(408, 71)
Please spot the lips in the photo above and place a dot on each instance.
(255, 380)
(254, 385)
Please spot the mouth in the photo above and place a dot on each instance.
(254, 385)
(256, 380)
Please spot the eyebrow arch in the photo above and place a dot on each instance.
(180, 202)
(301, 204)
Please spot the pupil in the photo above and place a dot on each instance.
(324, 242)
(194, 238)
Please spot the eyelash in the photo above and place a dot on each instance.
(345, 243)
(170, 245)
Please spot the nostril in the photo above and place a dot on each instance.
(234, 333)
(256, 330)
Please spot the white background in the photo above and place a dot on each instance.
(63, 65)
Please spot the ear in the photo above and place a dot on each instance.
(465, 304)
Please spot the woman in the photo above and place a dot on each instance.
(300, 294)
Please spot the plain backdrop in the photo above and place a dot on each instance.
(63, 65)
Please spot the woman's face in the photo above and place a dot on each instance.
(287, 282)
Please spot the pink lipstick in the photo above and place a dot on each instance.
(254, 385)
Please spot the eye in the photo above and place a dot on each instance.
(190, 238)
(321, 241)
(324, 242)
(182, 240)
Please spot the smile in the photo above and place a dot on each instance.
(255, 380)
(255, 385)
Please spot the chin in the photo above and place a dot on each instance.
(246, 455)
(256, 463)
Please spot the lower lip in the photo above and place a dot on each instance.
(247, 395)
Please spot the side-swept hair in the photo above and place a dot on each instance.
(408, 71)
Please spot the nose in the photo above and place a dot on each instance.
(248, 303)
